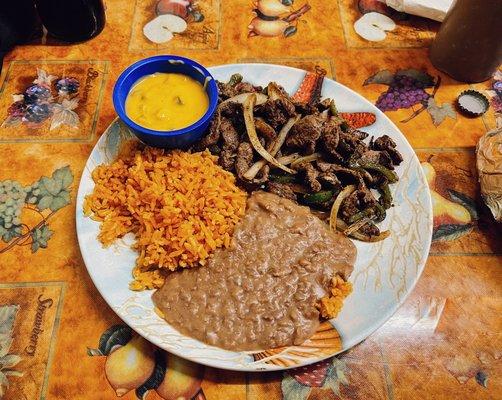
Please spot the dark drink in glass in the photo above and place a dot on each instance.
(19, 23)
(72, 20)
(468, 47)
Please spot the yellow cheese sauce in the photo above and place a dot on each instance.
(166, 101)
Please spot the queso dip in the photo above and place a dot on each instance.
(166, 101)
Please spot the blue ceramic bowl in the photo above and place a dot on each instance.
(179, 138)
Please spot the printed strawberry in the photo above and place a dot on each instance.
(311, 375)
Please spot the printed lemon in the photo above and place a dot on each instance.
(129, 366)
(182, 379)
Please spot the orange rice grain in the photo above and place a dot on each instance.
(179, 206)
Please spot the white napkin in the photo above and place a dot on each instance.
(433, 9)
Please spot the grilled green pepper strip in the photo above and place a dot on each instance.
(386, 198)
(334, 113)
(367, 212)
(380, 213)
(332, 109)
(345, 148)
(376, 213)
(282, 178)
(344, 125)
(319, 197)
(214, 149)
(235, 79)
(389, 174)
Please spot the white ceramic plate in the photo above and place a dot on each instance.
(383, 276)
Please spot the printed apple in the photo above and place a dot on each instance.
(161, 29)
(174, 7)
(367, 6)
(374, 26)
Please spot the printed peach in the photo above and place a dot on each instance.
(129, 366)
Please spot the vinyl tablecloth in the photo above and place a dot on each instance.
(443, 343)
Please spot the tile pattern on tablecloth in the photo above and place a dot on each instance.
(29, 316)
(462, 223)
(200, 35)
(91, 77)
(411, 31)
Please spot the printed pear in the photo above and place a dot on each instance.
(444, 210)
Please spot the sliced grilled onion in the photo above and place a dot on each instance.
(286, 160)
(309, 158)
(273, 91)
(253, 137)
(333, 217)
(342, 226)
(356, 226)
(274, 149)
(241, 98)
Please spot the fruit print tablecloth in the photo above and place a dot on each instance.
(58, 338)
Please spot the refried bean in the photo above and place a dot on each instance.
(262, 291)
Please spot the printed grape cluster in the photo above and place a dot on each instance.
(407, 88)
(496, 94)
(48, 193)
(67, 86)
(404, 92)
(36, 103)
(37, 93)
(12, 200)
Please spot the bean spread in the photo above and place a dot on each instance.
(262, 291)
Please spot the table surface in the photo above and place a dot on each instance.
(443, 343)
